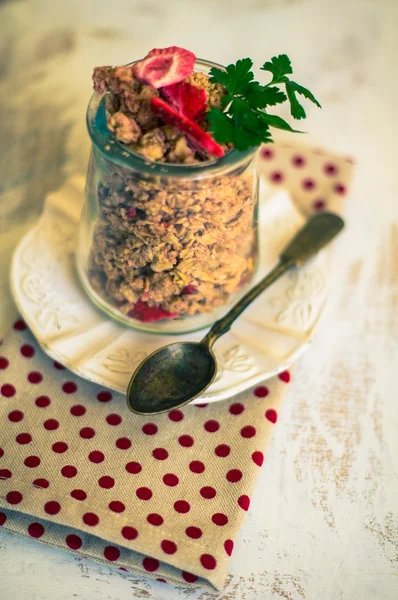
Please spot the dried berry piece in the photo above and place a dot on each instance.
(146, 314)
(189, 289)
(164, 66)
(201, 138)
(188, 99)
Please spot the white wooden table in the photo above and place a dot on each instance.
(323, 523)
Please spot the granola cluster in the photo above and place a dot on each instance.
(183, 248)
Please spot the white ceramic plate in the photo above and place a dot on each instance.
(265, 340)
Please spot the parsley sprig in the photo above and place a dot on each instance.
(244, 120)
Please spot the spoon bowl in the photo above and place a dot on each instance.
(170, 377)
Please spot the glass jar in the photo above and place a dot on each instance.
(166, 248)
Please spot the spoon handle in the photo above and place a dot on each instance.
(318, 231)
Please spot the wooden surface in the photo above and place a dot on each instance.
(323, 523)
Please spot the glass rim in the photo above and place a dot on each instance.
(113, 150)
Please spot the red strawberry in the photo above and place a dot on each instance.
(187, 98)
(146, 314)
(201, 138)
(164, 66)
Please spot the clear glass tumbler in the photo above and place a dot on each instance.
(162, 247)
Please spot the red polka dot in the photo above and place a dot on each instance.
(123, 443)
(340, 189)
(1, 452)
(150, 564)
(219, 519)
(5, 474)
(229, 546)
(193, 532)
(27, 351)
(258, 458)
(104, 396)
(211, 426)
(208, 561)
(90, 519)
(276, 177)
(3, 518)
(69, 387)
(144, 493)
(106, 482)
(186, 441)
(87, 433)
(116, 506)
(330, 169)
(78, 410)
(32, 462)
(188, 577)
(308, 184)
(133, 467)
(149, 428)
(222, 450)
(248, 432)
(267, 154)
(271, 415)
(319, 205)
(3, 362)
(14, 497)
(60, 447)
(42, 401)
(261, 391)
(155, 519)
(176, 415)
(58, 366)
(129, 533)
(15, 416)
(23, 438)
(51, 424)
(96, 457)
(111, 553)
(78, 495)
(234, 475)
(236, 409)
(182, 506)
(74, 542)
(20, 325)
(160, 454)
(52, 507)
(114, 419)
(41, 483)
(8, 390)
(170, 479)
(244, 502)
(298, 161)
(208, 492)
(35, 377)
(69, 471)
(284, 376)
(168, 547)
(196, 466)
(201, 405)
(35, 530)
(160, 579)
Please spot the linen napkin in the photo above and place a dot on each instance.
(163, 496)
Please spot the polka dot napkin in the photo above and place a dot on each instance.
(163, 496)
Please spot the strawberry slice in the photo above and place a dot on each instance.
(200, 138)
(165, 66)
(146, 314)
(187, 98)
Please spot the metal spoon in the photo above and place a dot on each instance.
(178, 373)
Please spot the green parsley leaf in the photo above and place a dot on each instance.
(279, 66)
(243, 120)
